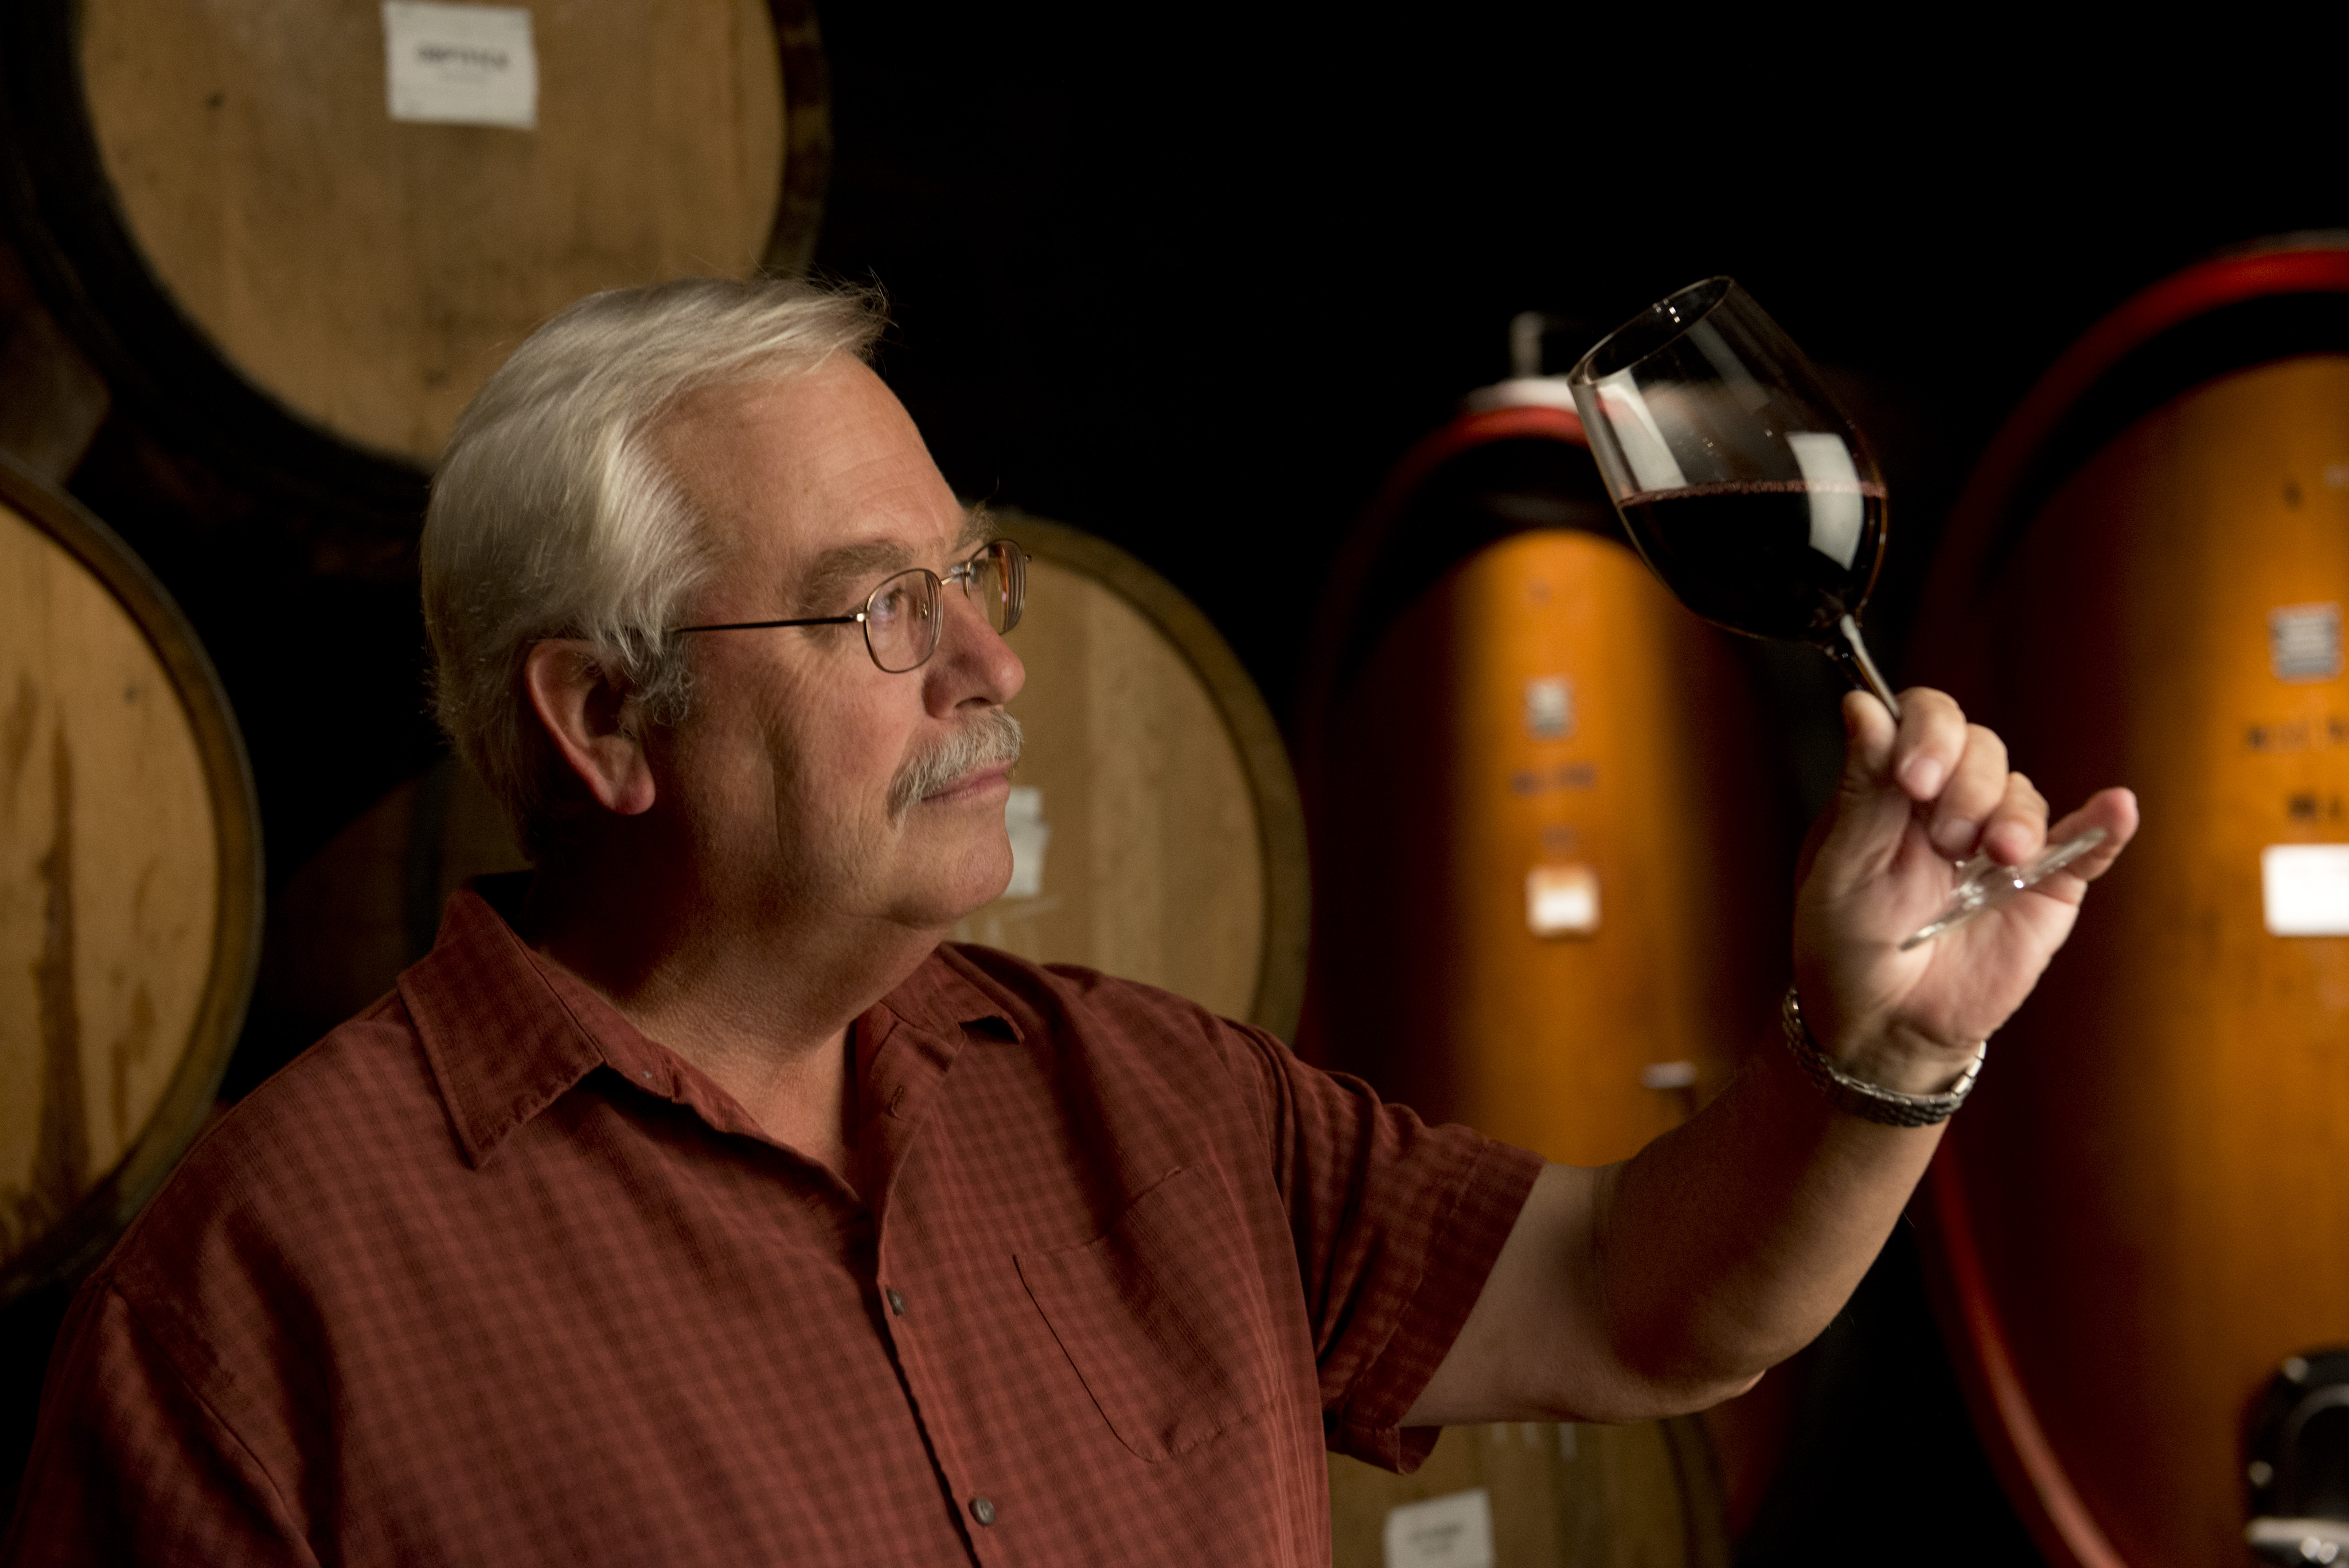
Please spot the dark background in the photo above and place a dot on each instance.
(1193, 280)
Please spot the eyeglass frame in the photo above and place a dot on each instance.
(964, 571)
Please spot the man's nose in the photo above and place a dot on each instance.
(973, 661)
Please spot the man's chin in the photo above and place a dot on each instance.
(956, 887)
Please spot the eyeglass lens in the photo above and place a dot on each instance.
(903, 618)
(998, 580)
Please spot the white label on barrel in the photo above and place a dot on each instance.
(1549, 708)
(1023, 819)
(2306, 889)
(460, 65)
(1562, 900)
(2304, 642)
(1451, 1532)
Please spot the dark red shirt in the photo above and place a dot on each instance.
(489, 1276)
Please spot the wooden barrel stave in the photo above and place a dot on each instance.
(130, 884)
(1177, 849)
(1562, 1496)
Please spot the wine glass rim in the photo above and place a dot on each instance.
(1653, 328)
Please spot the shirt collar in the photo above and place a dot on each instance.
(501, 1043)
(508, 1031)
(948, 991)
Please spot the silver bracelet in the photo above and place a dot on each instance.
(1862, 1098)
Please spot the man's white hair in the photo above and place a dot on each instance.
(552, 518)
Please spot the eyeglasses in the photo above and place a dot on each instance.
(902, 617)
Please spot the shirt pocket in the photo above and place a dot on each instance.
(1164, 1317)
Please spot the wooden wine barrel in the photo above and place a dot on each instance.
(2140, 1214)
(130, 884)
(1550, 853)
(1171, 846)
(1176, 850)
(1537, 1494)
(306, 233)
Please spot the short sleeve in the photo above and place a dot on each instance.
(1397, 1226)
(130, 1466)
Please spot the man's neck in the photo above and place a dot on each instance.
(763, 1006)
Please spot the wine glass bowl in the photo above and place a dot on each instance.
(1742, 484)
(1756, 500)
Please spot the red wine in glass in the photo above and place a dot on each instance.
(1739, 555)
(1756, 500)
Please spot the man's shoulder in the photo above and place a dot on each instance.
(368, 1068)
(354, 1112)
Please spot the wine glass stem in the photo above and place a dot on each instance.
(1851, 655)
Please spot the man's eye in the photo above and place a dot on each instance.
(888, 605)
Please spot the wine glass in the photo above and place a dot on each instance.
(1756, 500)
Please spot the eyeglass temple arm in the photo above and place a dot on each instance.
(962, 572)
(761, 625)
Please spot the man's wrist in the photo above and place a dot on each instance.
(1857, 1095)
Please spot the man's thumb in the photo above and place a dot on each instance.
(1869, 732)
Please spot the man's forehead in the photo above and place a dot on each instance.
(824, 463)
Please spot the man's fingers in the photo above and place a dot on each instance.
(1974, 796)
(1932, 739)
(1869, 737)
(1975, 802)
(2114, 811)
(2018, 827)
(1865, 825)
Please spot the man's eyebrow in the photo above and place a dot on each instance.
(847, 569)
(977, 527)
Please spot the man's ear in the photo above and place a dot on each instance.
(596, 724)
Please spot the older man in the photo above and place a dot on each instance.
(692, 1202)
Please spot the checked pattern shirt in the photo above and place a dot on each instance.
(487, 1275)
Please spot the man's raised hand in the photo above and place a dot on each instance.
(1914, 798)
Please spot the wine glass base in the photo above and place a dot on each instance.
(1984, 883)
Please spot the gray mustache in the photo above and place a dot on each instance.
(990, 741)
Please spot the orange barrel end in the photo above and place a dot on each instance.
(1547, 838)
(1550, 857)
(2139, 1217)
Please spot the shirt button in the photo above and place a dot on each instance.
(897, 1309)
(982, 1509)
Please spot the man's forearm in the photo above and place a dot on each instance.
(1728, 1245)
(1673, 1280)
